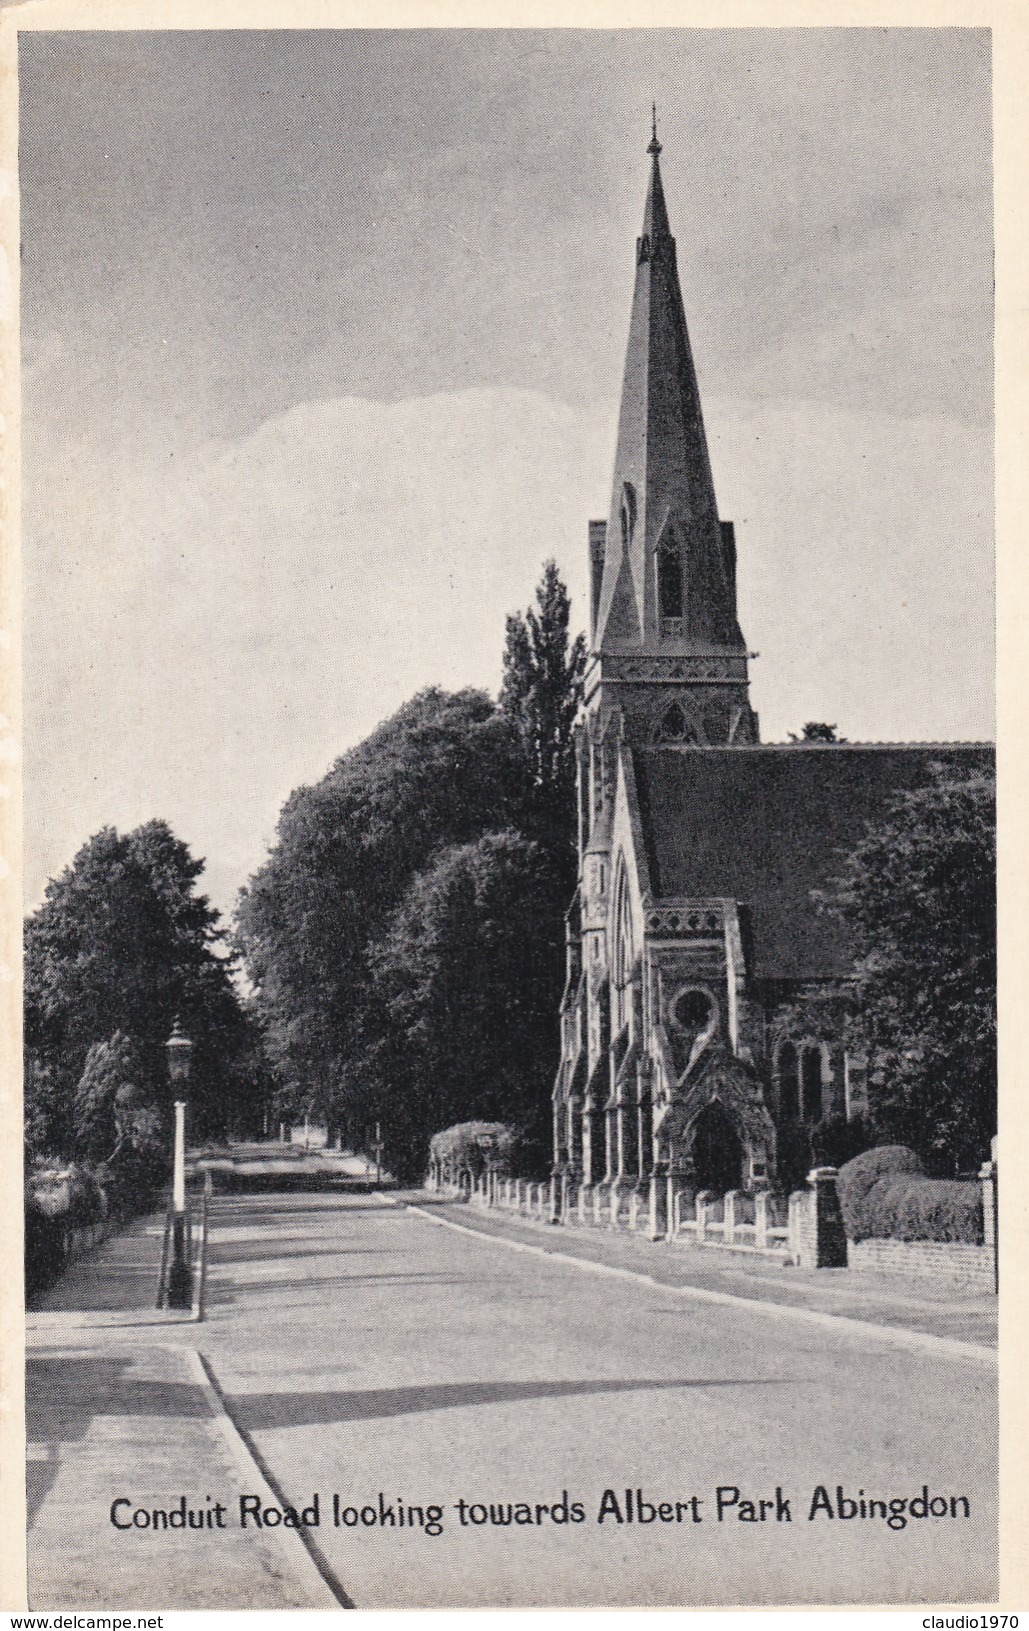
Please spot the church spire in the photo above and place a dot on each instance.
(669, 571)
(667, 653)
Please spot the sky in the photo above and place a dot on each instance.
(322, 341)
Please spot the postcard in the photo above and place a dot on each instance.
(510, 957)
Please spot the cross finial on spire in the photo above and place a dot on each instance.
(655, 145)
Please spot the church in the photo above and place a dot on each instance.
(701, 1034)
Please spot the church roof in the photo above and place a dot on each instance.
(764, 826)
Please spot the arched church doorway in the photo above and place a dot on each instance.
(717, 1152)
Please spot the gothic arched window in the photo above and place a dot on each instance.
(673, 726)
(624, 952)
(628, 513)
(669, 583)
(811, 1081)
(786, 1071)
(623, 948)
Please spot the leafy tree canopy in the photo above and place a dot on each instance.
(467, 974)
(440, 771)
(918, 898)
(123, 943)
(364, 873)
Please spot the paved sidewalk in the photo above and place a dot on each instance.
(112, 1386)
(906, 1304)
(113, 1285)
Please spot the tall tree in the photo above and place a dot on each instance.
(350, 852)
(467, 974)
(444, 769)
(918, 897)
(541, 691)
(123, 942)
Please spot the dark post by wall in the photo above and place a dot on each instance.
(820, 1241)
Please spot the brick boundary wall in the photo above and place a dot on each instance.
(814, 1239)
(947, 1262)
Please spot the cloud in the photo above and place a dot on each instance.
(204, 633)
(865, 568)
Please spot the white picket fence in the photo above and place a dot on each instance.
(736, 1221)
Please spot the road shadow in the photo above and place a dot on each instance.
(39, 1478)
(252, 1208)
(427, 1200)
(218, 1295)
(263, 1412)
(64, 1393)
(267, 1251)
(299, 1182)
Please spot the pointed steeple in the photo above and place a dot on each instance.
(668, 665)
(668, 584)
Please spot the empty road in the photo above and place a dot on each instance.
(377, 1357)
(477, 1425)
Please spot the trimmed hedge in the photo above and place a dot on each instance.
(133, 1180)
(885, 1195)
(462, 1146)
(46, 1246)
(62, 1199)
(858, 1176)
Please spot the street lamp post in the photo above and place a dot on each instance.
(180, 1279)
(487, 1142)
(378, 1154)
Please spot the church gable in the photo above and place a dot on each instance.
(622, 613)
(723, 1080)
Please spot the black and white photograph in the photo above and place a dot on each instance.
(510, 954)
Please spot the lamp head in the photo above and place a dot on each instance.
(179, 1048)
